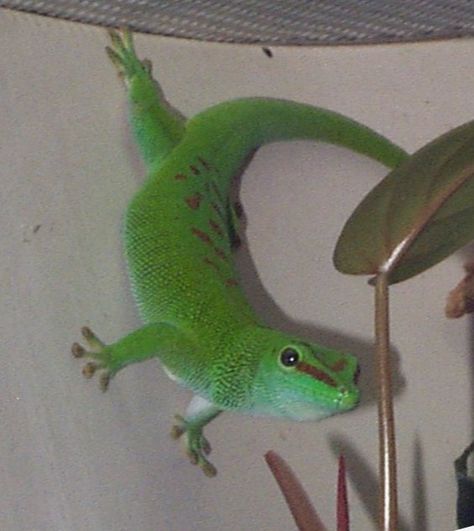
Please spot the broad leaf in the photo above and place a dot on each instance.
(418, 215)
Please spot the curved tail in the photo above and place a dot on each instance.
(229, 131)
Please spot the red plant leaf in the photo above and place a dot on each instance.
(342, 503)
(304, 514)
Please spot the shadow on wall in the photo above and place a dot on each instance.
(362, 477)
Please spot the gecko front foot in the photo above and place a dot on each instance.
(100, 356)
(197, 446)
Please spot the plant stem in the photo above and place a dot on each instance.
(388, 512)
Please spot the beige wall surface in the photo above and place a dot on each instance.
(73, 459)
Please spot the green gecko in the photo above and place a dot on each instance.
(179, 231)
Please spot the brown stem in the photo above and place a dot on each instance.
(387, 457)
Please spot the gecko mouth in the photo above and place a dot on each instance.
(350, 398)
(348, 401)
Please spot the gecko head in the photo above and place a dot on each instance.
(302, 380)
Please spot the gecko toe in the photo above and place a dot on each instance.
(209, 469)
(104, 381)
(78, 351)
(89, 369)
(100, 356)
(197, 447)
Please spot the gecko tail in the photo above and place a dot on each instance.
(249, 123)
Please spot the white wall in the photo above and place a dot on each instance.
(74, 459)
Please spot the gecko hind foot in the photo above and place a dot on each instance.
(197, 446)
(100, 355)
(123, 56)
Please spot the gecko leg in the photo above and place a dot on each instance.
(157, 126)
(153, 340)
(199, 413)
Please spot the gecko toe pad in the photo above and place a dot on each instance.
(99, 355)
(197, 447)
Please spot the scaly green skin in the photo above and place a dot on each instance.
(179, 231)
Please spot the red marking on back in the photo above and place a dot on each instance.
(316, 373)
(194, 170)
(180, 177)
(209, 262)
(229, 282)
(193, 201)
(216, 227)
(220, 253)
(204, 163)
(203, 236)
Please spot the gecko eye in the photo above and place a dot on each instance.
(289, 357)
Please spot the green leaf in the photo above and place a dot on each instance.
(418, 215)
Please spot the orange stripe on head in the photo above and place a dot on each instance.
(316, 373)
